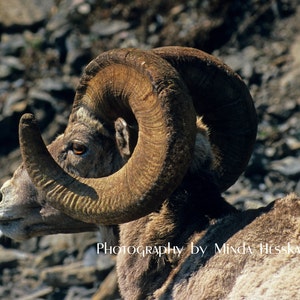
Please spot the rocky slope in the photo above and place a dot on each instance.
(45, 45)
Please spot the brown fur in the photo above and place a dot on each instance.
(216, 275)
(179, 218)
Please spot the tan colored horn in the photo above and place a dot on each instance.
(222, 98)
(122, 82)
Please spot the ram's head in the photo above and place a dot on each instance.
(140, 121)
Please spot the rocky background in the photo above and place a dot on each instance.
(45, 44)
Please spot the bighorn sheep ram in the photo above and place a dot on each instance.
(153, 139)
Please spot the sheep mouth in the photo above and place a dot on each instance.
(14, 215)
(8, 221)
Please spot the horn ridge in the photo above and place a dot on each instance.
(149, 88)
(225, 104)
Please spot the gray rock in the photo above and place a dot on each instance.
(71, 274)
(12, 44)
(15, 102)
(10, 67)
(284, 110)
(39, 294)
(50, 258)
(79, 54)
(297, 189)
(58, 88)
(9, 258)
(17, 15)
(105, 28)
(293, 143)
(288, 166)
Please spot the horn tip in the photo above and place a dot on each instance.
(27, 119)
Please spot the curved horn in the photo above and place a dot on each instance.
(124, 81)
(222, 98)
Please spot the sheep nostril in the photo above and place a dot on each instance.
(1, 193)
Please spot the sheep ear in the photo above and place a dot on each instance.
(122, 138)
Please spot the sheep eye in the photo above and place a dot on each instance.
(78, 148)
